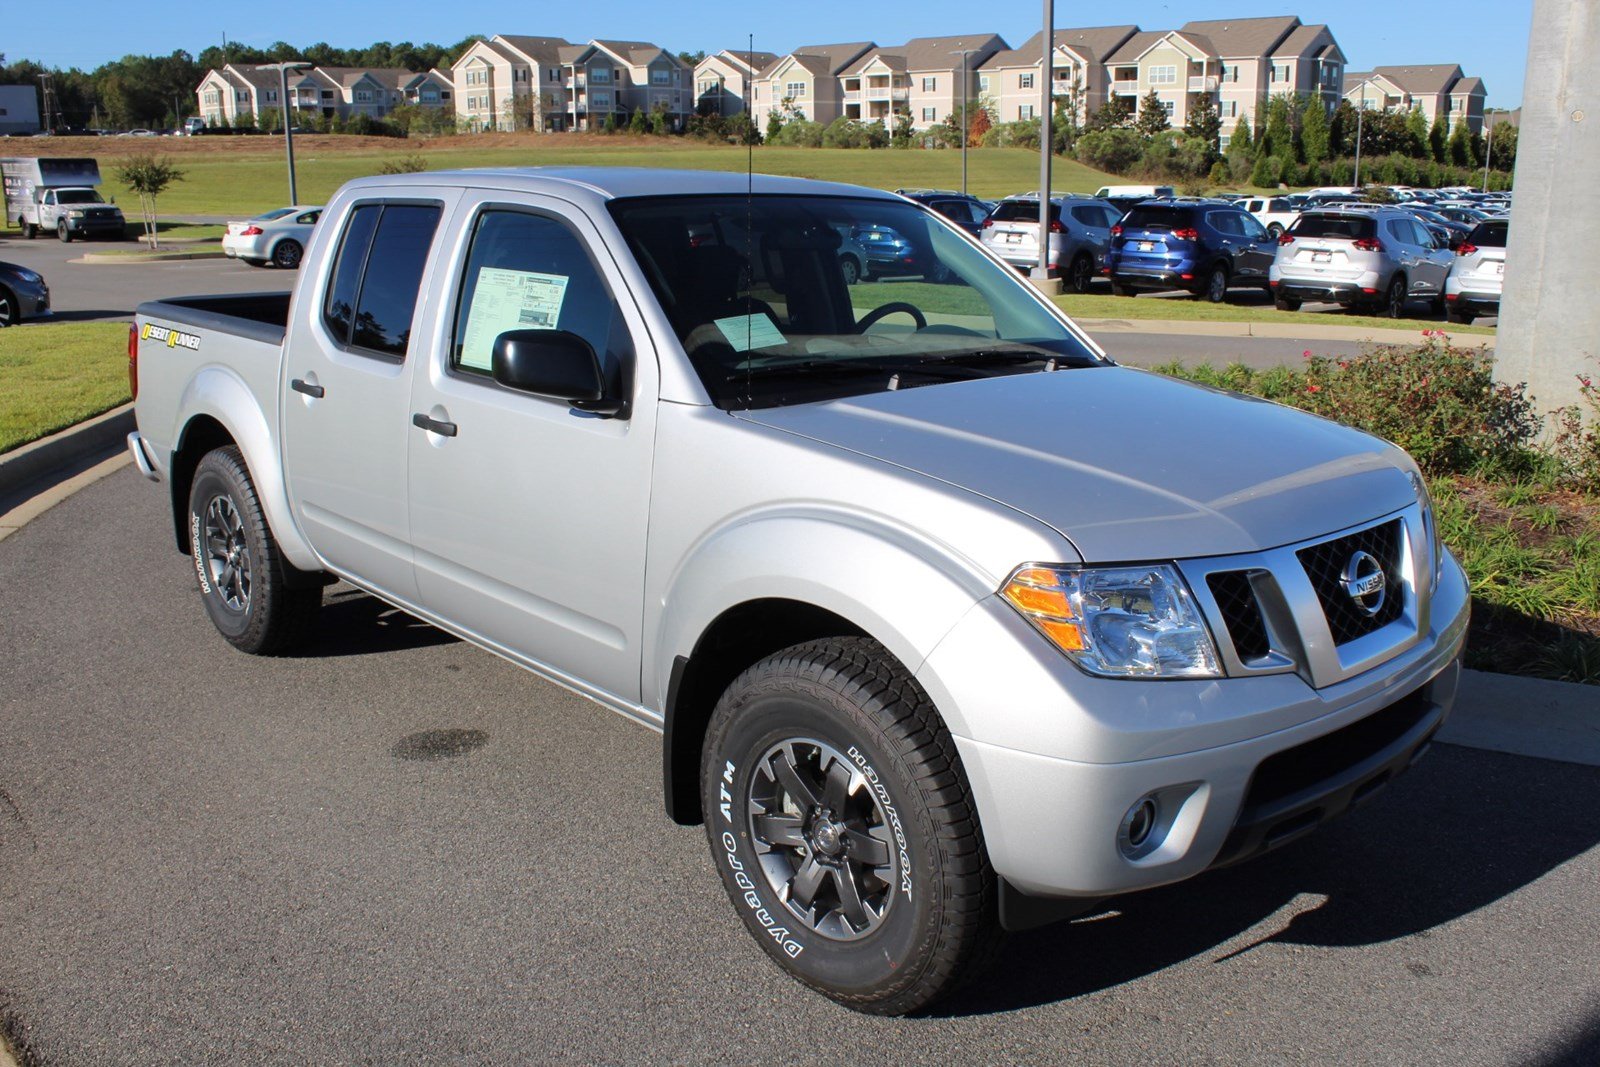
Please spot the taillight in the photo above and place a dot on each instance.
(1055, 226)
(1285, 239)
(250, 231)
(988, 224)
(133, 360)
(1116, 231)
(1368, 244)
(1188, 233)
(1464, 249)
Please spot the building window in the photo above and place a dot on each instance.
(600, 74)
(1163, 75)
(794, 90)
(983, 83)
(1024, 111)
(1230, 109)
(1280, 72)
(1230, 72)
(363, 96)
(660, 77)
(1167, 105)
(1025, 81)
(600, 99)
(927, 114)
(930, 85)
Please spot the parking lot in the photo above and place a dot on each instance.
(396, 846)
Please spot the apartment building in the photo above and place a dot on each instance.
(511, 82)
(921, 78)
(617, 78)
(236, 90)
(808, 79)
(1009, 79)
(1441, 90)
(722, 81)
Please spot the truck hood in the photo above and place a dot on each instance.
(1127, 464)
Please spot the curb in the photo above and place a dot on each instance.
(49, 456)
(1311, 331)
(1526, 717)
(146, 257)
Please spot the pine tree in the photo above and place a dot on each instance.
(1152, 115)
(1279, 139)
(1204, 123)
(1417, 133)
(1314, 133)
(1460, 147)
(1240, 150)
(1267, 170)
(1437, 136)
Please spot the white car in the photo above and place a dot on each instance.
(1276, 213)
(1472, 289)
(278, 237)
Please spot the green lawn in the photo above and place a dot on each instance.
(58, 374)
(1242, 308)
(240, 183)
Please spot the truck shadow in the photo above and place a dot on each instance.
(353, 623)
(1464, 829)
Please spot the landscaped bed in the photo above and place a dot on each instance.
(1517, 492)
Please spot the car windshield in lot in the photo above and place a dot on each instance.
(275, 213)
(1158, 217)
(78, 196)
(755, 290)
(1491, 234)
(1024, 211)
(1338, 227)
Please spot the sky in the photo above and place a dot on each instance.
(1488, 38)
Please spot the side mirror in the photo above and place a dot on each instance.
(552, 363)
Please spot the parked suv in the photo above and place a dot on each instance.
(1080, 233)
(1472, 287)
(1276, 213)
(1205, 247)
(1360, 257)
(967, 212)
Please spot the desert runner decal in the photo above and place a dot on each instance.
(173, 338)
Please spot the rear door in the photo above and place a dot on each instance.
(346, 406)
(1254, 251)
(529, 520)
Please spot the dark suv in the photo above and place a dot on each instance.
(1205, 248)
(968, 212)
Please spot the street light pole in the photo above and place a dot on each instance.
(966, 119)
(1488, 144)
(1359, 113)
(283, 70)
(1041, 273)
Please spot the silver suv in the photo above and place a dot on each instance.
(1080, 233)
(1359, 256)
(1476, 276)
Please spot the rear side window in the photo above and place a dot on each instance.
(1154, 217)
(1090, 215)
(377, 276)
(1489, 235)
(1344, 227)
(1024, 211)
(1226, 222)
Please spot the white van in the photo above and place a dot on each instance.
(1135, 190)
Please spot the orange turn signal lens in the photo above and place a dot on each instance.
(1031, 600)
(1038, 594)
(1067, 635)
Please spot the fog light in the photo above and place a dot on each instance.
(1138, 824)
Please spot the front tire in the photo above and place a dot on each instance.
(843, 827)
(10, 310)
(64, 234)
(244, 580)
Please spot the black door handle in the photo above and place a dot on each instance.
(300, 385)
(443, 429)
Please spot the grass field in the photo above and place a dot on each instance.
(245, 175)
(1105, 306)
(55, 375)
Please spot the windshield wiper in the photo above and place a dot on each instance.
(848, 366)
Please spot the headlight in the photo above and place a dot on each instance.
(30, 277)
(1121, 622)
(74, 214)
(1430, 524)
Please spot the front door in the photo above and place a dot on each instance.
(528, 517)
(347, 389)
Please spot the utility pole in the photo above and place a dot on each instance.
(1041, 273)
(283, 70)
(48, 90)
(1359, 113)
(1488, 144)
(966, 120)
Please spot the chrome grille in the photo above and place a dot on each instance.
(1324, 564)
(1241, 613)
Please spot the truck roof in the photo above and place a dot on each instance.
(610, 183)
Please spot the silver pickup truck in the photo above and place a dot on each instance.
(950, 624)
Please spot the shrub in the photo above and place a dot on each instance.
(403, 165)
(1113, 150)
(850, 133)
(1021, 134)
(1576, 444)
(798, 133)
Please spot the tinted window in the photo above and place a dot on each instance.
(1024, 211)
(1090, 215)
(1225, 222)
(309, 218)
(530, 272)
(339, 306)
(268, 216)
(1489, 234)
(1346, 227)
(1155, 217)
(393, 277)
(1252, 228)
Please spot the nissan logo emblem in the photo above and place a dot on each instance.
(1364, 580)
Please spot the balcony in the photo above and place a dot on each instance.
(1203, 84)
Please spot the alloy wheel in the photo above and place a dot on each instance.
(823, 839)
(227, 554)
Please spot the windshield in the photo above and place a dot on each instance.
(276, 213)
(78, 196)
(790, 299)
(1152, 217)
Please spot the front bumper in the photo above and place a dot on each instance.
(33, 302)
(1057, 758)
(113, 227)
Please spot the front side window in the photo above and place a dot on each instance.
(377, 275)
(756, 290)
(531, 272)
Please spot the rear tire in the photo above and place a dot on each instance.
(1463, 317)
(1124, 290)
(827, 776)
(1394, 300)
(244, 580)
(29, 231)
(286, 254)
(1286, 303)
(1216, 290)
(1080, 274)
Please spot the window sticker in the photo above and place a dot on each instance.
(509, 300)
(746, 332)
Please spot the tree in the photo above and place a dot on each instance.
(1314, 133)
(979, 124)
(1417, 133)
(1503, 145)
(1474, 145)
(1342, 130)
(1278, 140)
(148, 175)
(1204, 123)
(1267, 171)
(774, 125)
(1460, 147)
(1152, 115)
(639, 122)
(1437, 136)
(1115, 114)
(901, 135)
(1240, 150)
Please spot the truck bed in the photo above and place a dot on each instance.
(257, 316)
